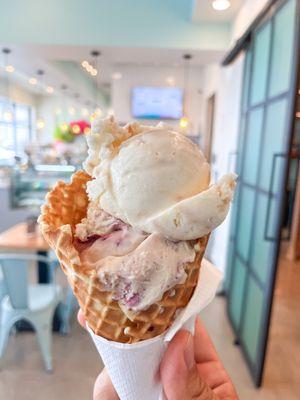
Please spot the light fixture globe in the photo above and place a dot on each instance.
(220, 5)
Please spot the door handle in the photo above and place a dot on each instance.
(292, 200)
(272, 195)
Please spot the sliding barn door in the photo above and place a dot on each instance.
(268, 93)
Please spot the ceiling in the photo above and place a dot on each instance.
(62, 65)
(203, 11)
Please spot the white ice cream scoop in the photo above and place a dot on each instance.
(156, 179)
(195, 216)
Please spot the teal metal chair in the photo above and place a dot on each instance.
(3, 290)
(69, 304)
(67, 310)
(34, 303)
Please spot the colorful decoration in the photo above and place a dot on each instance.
(67, 132)
(62, 133)
(79, 127)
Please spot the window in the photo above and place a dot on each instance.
(15, 127)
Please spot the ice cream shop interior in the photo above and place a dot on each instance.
(224, 75)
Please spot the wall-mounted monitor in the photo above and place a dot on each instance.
(156, 103)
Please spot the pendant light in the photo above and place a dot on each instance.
(40, 122)
(97, 111)
(184, 122)
(62, 111)
(75, 128)
(8, 110)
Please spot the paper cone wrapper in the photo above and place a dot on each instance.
(134, 368)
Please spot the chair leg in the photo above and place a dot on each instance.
(5, 327)
(67, 310)
(43, 327)
(64, 322)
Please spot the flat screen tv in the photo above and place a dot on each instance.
(156, 103)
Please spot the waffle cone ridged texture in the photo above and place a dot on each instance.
(66, 205)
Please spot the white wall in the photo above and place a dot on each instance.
(46, 107)
(156, 76)
(226, 83)
(247, 13)
(17, 93)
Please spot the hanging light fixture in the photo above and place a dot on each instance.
(95, 54)
(61, 110)
(184, 122)
(72, 110)
(40, 122)
(84, 112)
(7, 112)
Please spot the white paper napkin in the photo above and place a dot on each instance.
(134, 368)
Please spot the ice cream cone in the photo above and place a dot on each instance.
(65, 207)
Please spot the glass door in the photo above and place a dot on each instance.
(267, 107)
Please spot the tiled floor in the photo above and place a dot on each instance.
(76, 362)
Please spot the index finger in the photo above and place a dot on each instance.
(80, 318)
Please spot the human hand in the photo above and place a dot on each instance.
(190, 369)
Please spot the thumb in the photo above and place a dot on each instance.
(103, 388)
(179, 373)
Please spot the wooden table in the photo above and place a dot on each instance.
(17, 240)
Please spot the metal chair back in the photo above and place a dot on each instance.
(15, 269)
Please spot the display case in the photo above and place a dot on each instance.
(29, 185)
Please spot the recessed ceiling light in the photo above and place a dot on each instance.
(49, 89)
(32, 81)
(116, 76)
(221, 5)
(9, 68)
(94, 72)
(84, 64)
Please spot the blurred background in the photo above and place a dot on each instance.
(223, 72)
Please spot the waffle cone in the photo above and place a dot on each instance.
(65, 207)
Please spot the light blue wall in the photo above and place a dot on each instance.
(133, 23)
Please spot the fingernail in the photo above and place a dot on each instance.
(189, 356)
